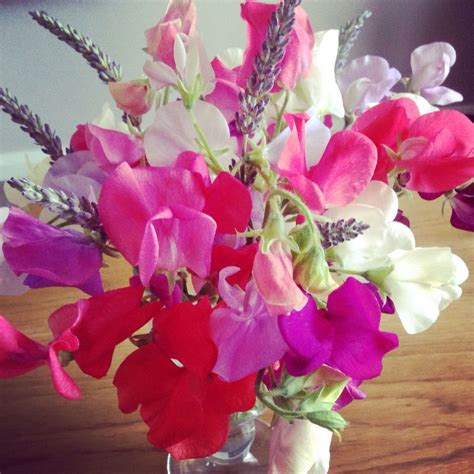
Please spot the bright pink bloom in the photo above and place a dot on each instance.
(225, 95)
(131, 97)
(342, 173)
(184, 403)
(273, 273)
(296, 62)
(89, 329)
(180, 17)
(438, 152)
(386, 124)
(154, 217)
(109, 147)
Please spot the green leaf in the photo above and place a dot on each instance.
(329, 419)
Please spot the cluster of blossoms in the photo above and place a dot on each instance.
(260, 213)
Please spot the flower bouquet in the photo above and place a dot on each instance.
(255, 197)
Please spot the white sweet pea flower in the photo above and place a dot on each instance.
(232, 57)
(300, 447)
(193, 71)
(423, 105)
(320, 89)
(420, 281)
(107, 119)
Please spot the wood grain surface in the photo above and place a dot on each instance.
(418, 416)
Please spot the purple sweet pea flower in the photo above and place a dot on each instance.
(430, 65)
(350, 393)
(386, 307)
(462, 205)
(402, 218)
(76, 173)
(365, 81)
(357, 345)
(49, 255)
(246, 335)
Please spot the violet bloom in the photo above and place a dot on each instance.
(462, 205)
(366, 81)
(246, 335)
(430, 65)
(76, 173)
(49, 255)
(345, 336)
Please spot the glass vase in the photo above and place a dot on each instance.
(245, 451)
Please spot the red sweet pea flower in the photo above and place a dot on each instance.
(185, 404)
(89, 329)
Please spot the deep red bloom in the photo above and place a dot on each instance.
(185, 405)
(89, 330)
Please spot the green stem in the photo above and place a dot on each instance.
(279, 120)
(213, 162)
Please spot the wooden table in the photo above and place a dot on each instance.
(418, 416)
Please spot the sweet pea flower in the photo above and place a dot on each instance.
(430, 65)
(50, 256)
(299, 447)
(89, 330)
(246, 335)
(366, 81)
(173, 132)
(462, 205)
(184, 403)
(132, 97)
(319, 89)
(296, 62)
(273, 274)
(180, 17)
(419, 281)
(345, 336)
(154, 217)
(339, 176)
(10, 283)
(192, 74)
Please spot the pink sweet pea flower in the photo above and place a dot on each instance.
(296, 63)
(132, 97)
(386, 124)
(430, 65)
(342, 173)
(273, 274)
(246, 335)
(154, 217)
(89, 329)
(109, 147)
(49, 255)
(345, 336)
(180, 17)
(438, 152)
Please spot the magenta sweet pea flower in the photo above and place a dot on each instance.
(296, 62)
(345, 336)
(343, 172)
(154, 217)
(49, 255)
(246, 335)
(90, 329)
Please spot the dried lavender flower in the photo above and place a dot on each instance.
(334, 233)
(68, 206)
(348, 35)
(108, 70)
(266, 67)
(42, 134)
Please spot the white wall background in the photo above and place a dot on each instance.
(60, 87)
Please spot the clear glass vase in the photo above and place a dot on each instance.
(245, 451)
